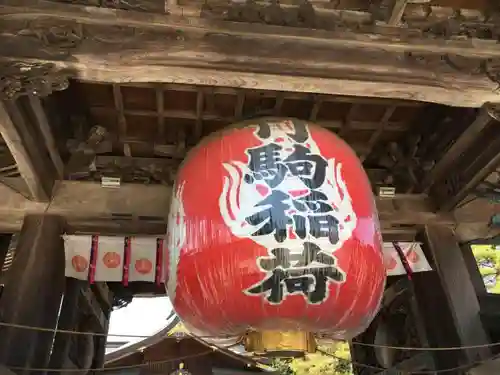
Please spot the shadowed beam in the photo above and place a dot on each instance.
(25, 130)
(138, 209)
(122, 46)
(484, 118)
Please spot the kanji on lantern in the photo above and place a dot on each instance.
(273, 224)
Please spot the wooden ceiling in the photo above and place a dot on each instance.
(164, 121)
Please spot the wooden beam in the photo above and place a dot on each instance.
(460, 293)
(383, 38)
(160, 104)
(88, 207)
(27, 148)
(464, 141)
(397, 12)
(117, 46)
(46, 132)
(479, 157)
(384, 123)
(39, 243)
(192, 115)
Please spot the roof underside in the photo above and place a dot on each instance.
(165, 121)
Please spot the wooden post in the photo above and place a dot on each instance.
(448, 302)
(68, 320)
(100, 349)
(32, 293)
(4, 248)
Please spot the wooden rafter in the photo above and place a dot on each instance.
(217, 107)
(31, 144)
(124, 46)
(160, 100)
(378, 133)
(397, 12)
(465, 140)
(199, 114)
(47, 136)
(118, 100)
(468, 162)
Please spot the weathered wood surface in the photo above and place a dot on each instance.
(85, 203)
(28, 136)
(99, 44)
(19, 147)
(39, 261)
(143, 209)
(461, 295)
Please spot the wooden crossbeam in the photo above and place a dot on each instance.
(143, 209)
(25, 130)
(118, 46)
(87, 206)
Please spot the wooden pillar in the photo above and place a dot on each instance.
(4, 249)
(68, 320)
(100, 342)
(32, 293)
(448, 302)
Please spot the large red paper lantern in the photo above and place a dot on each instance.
(273, 225)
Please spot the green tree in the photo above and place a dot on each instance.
(283, 366)
(488, 261)
(312, 364)
(318, 363)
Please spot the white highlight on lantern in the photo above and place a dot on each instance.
(176, 237)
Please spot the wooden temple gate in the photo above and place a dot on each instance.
(95, 92)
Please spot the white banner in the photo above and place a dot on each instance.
(77, 250)
(109, 256)
(413, 253)
(130, 259)
(142, 259)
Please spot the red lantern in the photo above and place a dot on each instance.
(273, 225)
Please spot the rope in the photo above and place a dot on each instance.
(227, 352)
(407, 348)
(457, 368)
(98, 334)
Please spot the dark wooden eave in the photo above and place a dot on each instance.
(435, 56)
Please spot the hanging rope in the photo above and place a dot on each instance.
(407, 348)
(249, 363)
(98, 334)
(457, 368)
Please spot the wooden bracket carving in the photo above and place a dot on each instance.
(56, 37)
(489, 68)
(17, 79)
(493, 110)
(303, 15)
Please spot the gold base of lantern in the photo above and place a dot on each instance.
(280, 343)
